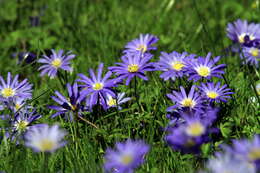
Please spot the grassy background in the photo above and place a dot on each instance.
(96, 31)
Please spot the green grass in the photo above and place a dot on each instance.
(96, 31)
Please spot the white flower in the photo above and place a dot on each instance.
(45, 138)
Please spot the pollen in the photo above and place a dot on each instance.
(133, 68)
(21, 125)
(254, 52)
(142, 48)
(212, 94)
(254, 154)
(188, 102)
(7, 92)
(203, 71)
(56, 63)
(195, 129)
(46, 145)
(127, 159)
(111, 102)
(98, 86)
(177, 65)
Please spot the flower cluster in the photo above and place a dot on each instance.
(193, 112)
(247, 37)
(243, 156)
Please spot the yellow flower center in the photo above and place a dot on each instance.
(111, 102)
(254, 52)
(133, 68)
(17, 106)
(142, 48)
(177, 65)
(188, 102)
(254, 154)
(56, 63)
(8, 92)
(21, 125)
(203, 71)
(127, 159)
(46, 145)
(98, 86)
(212, 94)
(195, 129)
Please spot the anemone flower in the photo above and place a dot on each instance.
(96, 88)
(12, 88)
(216, 92)
(126, 157)
(142, 44)
(251, 55)
(173, 64)
(242, 32)
(192, 101)
(205, 68)
(133, 65)
(55, 62)
(45, 138)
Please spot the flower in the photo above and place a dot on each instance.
(192, 101)
(227, 162)
(172, 64)
(205, 68)
(45, 138)
(133, 65)
(96, 87)
(27, 57)
(248, 150)
(216, 92)
(142, 44)
(23, 120)
(12, 88)
(191, 131)
(118, 100)
(242, 32)
(126, 157)
(55, 62)
(70, 105)
(251, 55)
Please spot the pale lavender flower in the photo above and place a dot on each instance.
(142, 44)
(45, 138)
(126, 157)
(56, 61)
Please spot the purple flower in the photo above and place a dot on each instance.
(55, 62)
(228, 162)
(133, 65)
(251, 55)
(116, 101)
(96, 88)
(126, 157)
(142, 44)
(70, 105)
(205, 68)
(248, 150)
(242, 32)
(192, 101)
(45, 138)
(216, 92)
(172, 64)
(26, 57)
(23, 119)
(12, 88)
(190, 133)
